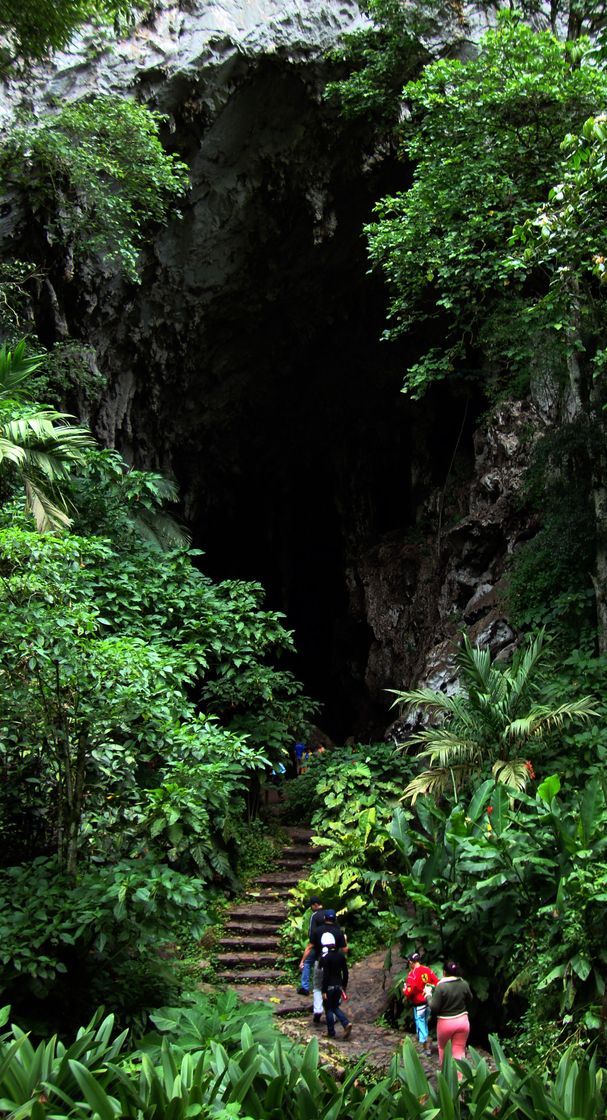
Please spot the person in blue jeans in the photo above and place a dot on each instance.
(420, 980)
(316, 918)
(334, 983)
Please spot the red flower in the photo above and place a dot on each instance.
(490, 809)
(529, 769)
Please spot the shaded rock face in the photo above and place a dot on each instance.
(419, 589)
(248, 364)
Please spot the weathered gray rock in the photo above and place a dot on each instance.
(247, 365)
(418, 596)
(177, 41)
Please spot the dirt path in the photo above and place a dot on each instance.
(249, 962)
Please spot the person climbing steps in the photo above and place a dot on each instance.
(334, 968)
(314, 948)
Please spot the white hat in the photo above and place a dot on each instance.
(328, 942)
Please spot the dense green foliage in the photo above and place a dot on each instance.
(38, 27)
(497, 714)
(39, 444)
(223, 1061)
(138, 706)
(141, 703)
(494, 253)
(382, 57)
(442, 244)
(513, 884)
(95, 175)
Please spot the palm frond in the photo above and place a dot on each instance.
(513, 772)
(15, 369)
(445, 739)
(423, 698)
(48, 515)
(11, 451)
(161, 530)
(542, 718)
(522, 669)
(474, 666)
(436, 781)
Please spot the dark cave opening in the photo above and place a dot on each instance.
(300, 451)
(261, 381)
(318, 469)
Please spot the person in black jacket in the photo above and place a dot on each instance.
(314, 948)
(334, 967)
(316, 918)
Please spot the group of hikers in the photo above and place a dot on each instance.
(324, 962)
(324, 959)
(303, 752)
(447, 998)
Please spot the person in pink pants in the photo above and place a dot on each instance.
(450, 1002)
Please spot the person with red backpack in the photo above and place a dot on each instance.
(417, 989)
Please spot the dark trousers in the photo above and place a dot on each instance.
(333, 1011)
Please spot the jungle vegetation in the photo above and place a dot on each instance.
(140, 702)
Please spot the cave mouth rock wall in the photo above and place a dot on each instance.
(248, 366)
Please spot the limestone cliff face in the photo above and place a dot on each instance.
(247, 363)
(420, 588)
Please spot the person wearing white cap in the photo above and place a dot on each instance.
(329, 925)
(334, 969)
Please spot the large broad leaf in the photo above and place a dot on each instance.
(500, 803)
(414, 1073)
(548, 789)
(480, 799)
(556, 973)
(399, 831)
(592, 806)
(429, 815)
(581, 966)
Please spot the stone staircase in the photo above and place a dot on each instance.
(249, 950)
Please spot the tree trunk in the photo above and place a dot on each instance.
(575, 404)
(586, 404)
(598, 461)
(75, 810)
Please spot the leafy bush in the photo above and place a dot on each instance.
(46, 919)
(355, 793)
(100, 170)
(223, 1061)
(514, 887)
(134, 711)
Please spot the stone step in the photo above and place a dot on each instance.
(299, 851)
(278, 879)
(260, 913)
(246, 927)
(267, 977)
(250, 961)
(302, 867)
(250, 944)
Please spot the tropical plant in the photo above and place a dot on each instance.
(515, 890)
(355, 793)
(37, 443)
(208, 1062)
(441, 243)
(496, 716)
(96, 175)
(35, 29)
